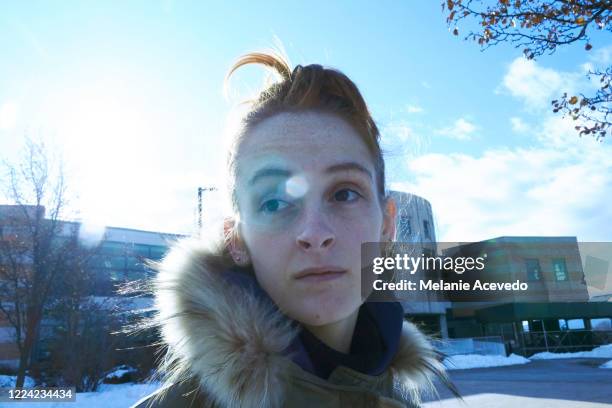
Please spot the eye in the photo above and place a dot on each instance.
(273, 206)
(346, 195)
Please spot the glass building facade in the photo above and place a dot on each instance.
(125, 255)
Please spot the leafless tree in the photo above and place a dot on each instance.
(540, 27)
(35, 244)
(83, 346)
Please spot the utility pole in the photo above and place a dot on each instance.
(200, 191)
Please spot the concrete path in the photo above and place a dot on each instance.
(542, 383)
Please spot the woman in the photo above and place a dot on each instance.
(273, 315)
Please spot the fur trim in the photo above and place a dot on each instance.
(234, 343)
(416, 365)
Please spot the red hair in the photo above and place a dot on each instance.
(310, 87)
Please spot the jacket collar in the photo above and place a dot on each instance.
(220, 327)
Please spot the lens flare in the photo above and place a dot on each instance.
(296, 186)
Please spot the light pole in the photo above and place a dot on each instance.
(200, 191)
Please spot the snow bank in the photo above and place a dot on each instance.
(463, 361)
(606, 365)
(8, 381)
(598, 352)
(109, 395)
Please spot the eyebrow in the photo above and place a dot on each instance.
(269, 172)
(280, 172)
(349, 166)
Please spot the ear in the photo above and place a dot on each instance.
(235, 246)
(389, 215)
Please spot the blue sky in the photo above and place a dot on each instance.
(131, 94)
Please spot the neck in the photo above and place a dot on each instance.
(337, 335)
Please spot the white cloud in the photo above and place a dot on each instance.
(462, 129)
(602, 56)
(559, 187)
(535, 85)
(587, 67)
(402, 138)
(8, 115)
(397, 130)
(519, 125)
(414, 109)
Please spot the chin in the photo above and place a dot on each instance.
(320, 312)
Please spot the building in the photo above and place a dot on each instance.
(121, 255)
(552, 266)
(553, 315)
(415, 226)
(415, 222)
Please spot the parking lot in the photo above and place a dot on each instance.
(540, 383)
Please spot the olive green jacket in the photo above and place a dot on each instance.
(227, 347)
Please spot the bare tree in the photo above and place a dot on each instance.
(540, 27)
(33, 245)
(84, 345)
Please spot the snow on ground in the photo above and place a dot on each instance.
(463, 361)
(8, 381)
(492, 400)
(606, 365)
(108, 395)
(119, 372)
(597, 352)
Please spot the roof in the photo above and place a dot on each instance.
(511, 312)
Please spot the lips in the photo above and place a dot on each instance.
(320, 273)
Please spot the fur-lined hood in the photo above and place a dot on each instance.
(223, 332)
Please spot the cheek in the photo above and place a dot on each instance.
(362, 226)
(268, 253)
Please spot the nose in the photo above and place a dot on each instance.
(316, 233)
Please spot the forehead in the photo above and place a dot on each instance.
(302, 141)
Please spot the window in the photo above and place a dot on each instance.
(116, 262)
(601, 324)
(525, 326)
(426, 229)
(562, 324)
(100, 261)
(405, 229)
(112, 248)
(158, 252)
(534, 273)
(575, 324)
(559, 269)
(134, 263)
(141, 250)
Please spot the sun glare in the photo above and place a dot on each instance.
(107, 138)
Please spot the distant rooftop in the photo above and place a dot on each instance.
(531, 239)
(139, 236)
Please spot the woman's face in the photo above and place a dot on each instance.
(307, 197)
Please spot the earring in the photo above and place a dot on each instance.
(241, 260)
